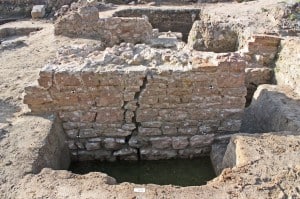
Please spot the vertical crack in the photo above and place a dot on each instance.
(95, 117)
(139, 154)
(137, 96)
(77, 149)
(124, 110)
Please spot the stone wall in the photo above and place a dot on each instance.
(148, 111)
(260, 54)
(113, 30)
(175, 20)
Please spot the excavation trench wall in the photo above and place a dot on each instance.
(138, 112)
(175, 20)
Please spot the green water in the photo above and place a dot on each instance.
(181, 172)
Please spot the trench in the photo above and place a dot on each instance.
(180, 172)
(174, 20)
(7, 20)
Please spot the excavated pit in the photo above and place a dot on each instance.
(152, 113)
(154, 104)
(179, 172)
(165, 20)
(138, 103)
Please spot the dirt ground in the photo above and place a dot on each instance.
(19, 67)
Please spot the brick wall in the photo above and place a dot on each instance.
(112, 30)
(142, 112)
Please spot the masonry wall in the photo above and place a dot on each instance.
(112, 30)
(147, 114)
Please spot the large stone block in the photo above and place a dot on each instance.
(201, 140)
(180, 142)
(161, 142)
(155, 154)
(38, 11)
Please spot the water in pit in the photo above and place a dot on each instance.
(181, 172)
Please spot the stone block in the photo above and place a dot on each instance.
(64, 78)
(87, 133)
(208, 126)
(72, 134)
(149, 131)
(194, 153)
(129, 116)
(129, 126)
(131, 105)
(188, 130)
(230, 125)
(109, 99)
(198, 141)
(92, 146)
(115, 132)
(38, 11)
(138, 142)
(129, 96)
(113, 143)
(37, 95)
(151, 124)
(70, 125)
(146, 115)
(229, 80)
(161, 142)
(71, 144)
(90, 79)
(125, 152)
(180, 142)
(169, 129)
(45, 79)
(155, 154)
(79, 145)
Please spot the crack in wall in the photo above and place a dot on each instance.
(137, 96)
